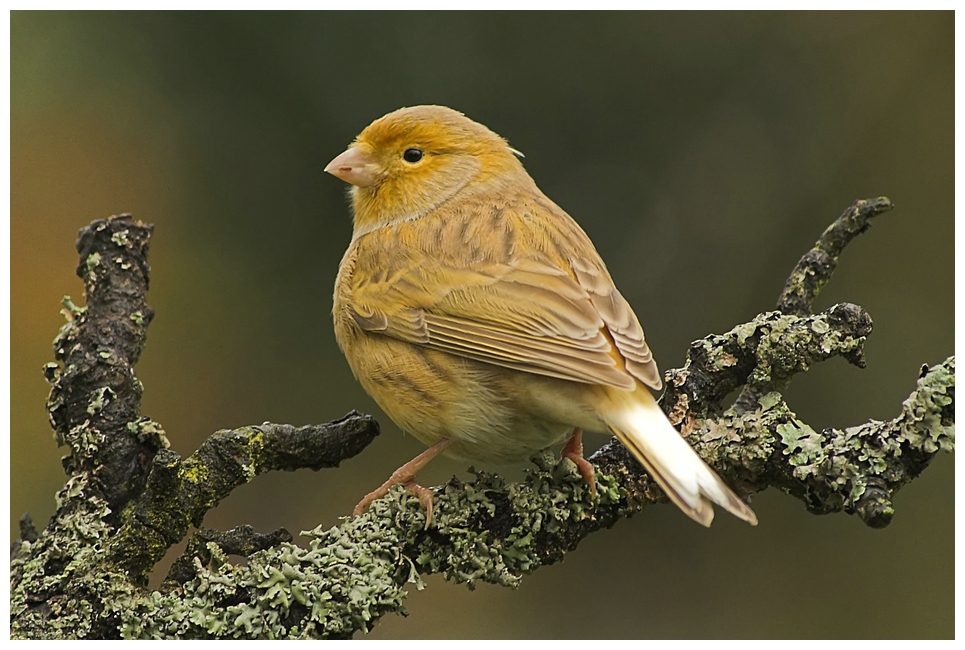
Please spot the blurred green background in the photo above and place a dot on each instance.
(703, 153)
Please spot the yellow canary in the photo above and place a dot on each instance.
(482, 320)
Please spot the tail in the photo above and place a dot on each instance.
(644, 429)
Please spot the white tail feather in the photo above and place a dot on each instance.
(689, 482)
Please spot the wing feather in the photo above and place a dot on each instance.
(589, 364)
(620, 321)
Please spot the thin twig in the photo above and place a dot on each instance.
(816, 266)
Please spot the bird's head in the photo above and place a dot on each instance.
(408, 162)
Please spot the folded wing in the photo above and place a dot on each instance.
(544, 312)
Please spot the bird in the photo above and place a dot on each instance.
(482, 320)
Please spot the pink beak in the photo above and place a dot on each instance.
(354, 166)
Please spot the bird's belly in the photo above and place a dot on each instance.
(490, 414)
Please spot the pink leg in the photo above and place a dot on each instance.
(405, 476)
(574, 451)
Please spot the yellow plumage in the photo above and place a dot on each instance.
(480, 317)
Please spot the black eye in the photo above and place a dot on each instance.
(412, 155)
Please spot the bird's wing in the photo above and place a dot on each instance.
(513, 297)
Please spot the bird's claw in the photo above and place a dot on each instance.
(423, 494)
(574, 451)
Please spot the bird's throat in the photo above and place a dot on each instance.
(396, 200)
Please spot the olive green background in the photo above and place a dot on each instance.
(703, 153)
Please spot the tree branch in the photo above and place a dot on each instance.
(242, 540)
(95, 397)
(84, 575)
(179, 493)
(816, 266)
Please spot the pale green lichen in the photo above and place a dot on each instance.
(719, 359)
(801, 442)
(770, 400)
(923, 424)
(71, 310)
(348, 577)
(83, 439)
(820, 325)
(100, 399)
(746, 330)
(92, 261)
(64, 335)
(51, 371)
(773, 346)
(738, 443)
(255, 443)
(874, 449)
(552, 497)
(137, 317)
(147, 430)
(121, 238)
(789, 344)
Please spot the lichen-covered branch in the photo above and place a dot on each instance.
(857, 469)
(179, 493)
(242, 541)
(763, 354)
(83, 576)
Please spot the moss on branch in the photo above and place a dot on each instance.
(179, 493)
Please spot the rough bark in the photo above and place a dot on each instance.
(128, 498)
